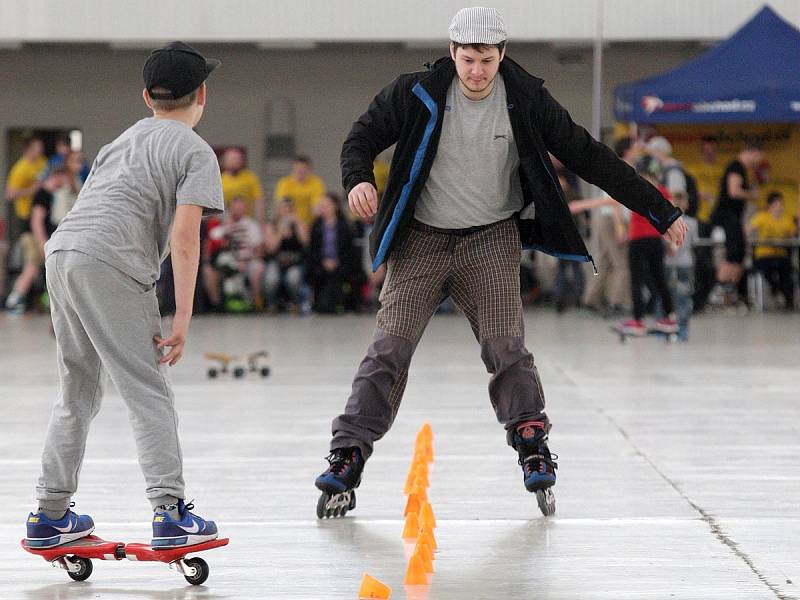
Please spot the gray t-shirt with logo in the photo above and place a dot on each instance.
(124, 212)
(474, 178)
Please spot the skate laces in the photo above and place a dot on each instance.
(543, 457)
(339, 460)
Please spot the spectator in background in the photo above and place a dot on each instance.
(646, 260)
(285, 242)
(679, 263)
(673, 176)
(212, 242)
(773, 262)
(240, 182)
(708, 174)
(610, 287)
(736, 191)
(37, 230)
(23, 182)
(302, 187)
(562, 291)
(59, 159)
(331, 257)
(242, 249)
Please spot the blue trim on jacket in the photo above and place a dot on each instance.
(419, 156)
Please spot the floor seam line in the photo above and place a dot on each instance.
(714, 526)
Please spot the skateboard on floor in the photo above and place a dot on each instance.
(623, 336)
(76, 557)
(254, 362)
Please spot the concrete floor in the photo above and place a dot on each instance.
(678, 476)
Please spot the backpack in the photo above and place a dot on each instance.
(691, 188)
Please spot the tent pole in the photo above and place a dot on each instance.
(597, 79)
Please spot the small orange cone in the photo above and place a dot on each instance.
(372, 588)
(409, 486)
(419, 490)
(426, 516)
(422, 550)
(422, 477)
(427, 430)
(415, 575)
(412, 505)
(426, 534)
(411, 529)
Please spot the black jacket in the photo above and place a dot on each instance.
(409, 112)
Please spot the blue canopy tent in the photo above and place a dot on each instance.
(753, 77)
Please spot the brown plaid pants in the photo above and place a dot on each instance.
(479, 269)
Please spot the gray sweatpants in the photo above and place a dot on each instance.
(105, 320)
(480, 271)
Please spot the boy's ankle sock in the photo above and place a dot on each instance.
(170, 509)
(53, 515)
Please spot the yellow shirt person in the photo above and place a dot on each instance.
(302, 188)
(240, 182)
(772, 224)
(25, 173)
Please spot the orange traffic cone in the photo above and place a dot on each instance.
(412, 505)
(409, 486)
(372, 588)
(411, 529)
(419, 490)
(426, 534)
(415, 575)
(426, 516)
(422, 476)
(422, 550)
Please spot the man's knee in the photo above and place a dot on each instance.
(502, 353)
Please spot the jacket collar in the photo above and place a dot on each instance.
(441, 72)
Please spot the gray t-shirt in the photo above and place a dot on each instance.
(474, 178)
(124, 212)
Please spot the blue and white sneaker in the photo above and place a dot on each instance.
(189, 530)
(46, 533)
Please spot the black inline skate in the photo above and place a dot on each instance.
(538, 464)
(338, 483)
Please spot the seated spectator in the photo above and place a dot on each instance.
(332, 257)
(36, 232)
(240, 258)
(59, 159)
(240, 182)
(302, 187)
(285, 242)
(773, 261)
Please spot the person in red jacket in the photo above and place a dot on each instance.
(646, 263)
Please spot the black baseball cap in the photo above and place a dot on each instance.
(176, 67)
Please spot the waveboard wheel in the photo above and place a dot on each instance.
(265, 371)
(238, 372)
(212, 373)
(200, 570)
(84, 568)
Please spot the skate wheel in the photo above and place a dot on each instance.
(352, 504)
(200, 570)
(84, 568)
(265, 371)
(238, 372)
(321, 503)
(546, 501)
(212, 373)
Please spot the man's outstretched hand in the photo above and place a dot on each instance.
(676, 232)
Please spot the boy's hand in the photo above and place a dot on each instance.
(175, 342)
(676, 232)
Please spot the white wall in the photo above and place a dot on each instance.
(99, 90)
(367, 20)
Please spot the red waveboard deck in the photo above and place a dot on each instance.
(94, 547)
(90, 546)
(145, 552)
